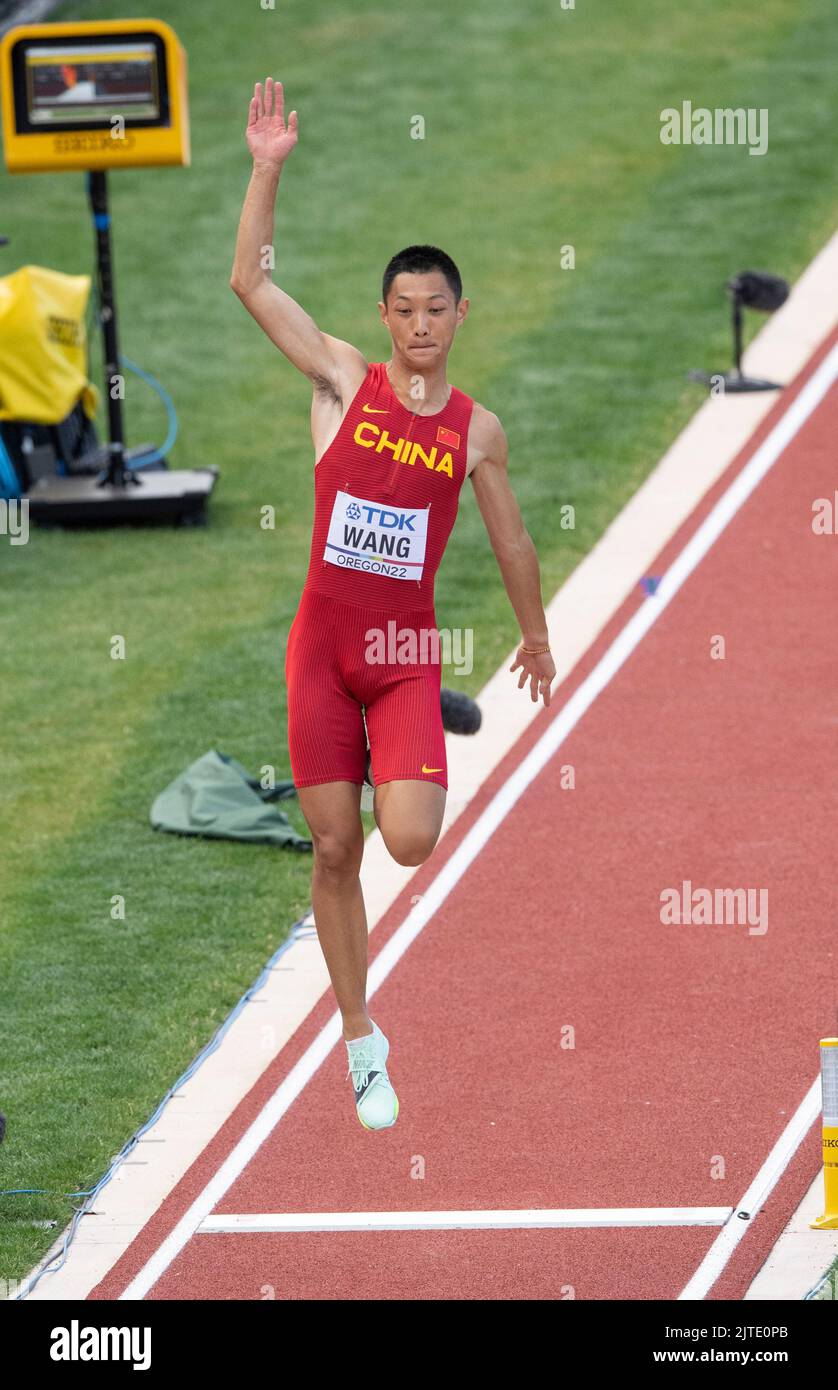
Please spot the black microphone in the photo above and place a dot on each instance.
(460, 714)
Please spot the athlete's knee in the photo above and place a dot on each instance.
(337, 854)
(411, 847)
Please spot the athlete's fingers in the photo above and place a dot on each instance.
(253, 112)
(279, 101)
(260, 105)
(292, 122)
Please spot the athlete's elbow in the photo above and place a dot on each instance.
(242, 287)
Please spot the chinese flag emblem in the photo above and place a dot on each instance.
(450, 437)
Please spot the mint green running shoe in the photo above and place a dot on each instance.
(375, 1100)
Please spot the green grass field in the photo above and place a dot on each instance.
(827, 1288)
(542, 130)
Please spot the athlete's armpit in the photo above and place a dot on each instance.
(350, 368)
(326, 389)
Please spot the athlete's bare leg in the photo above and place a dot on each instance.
(409, 815)
(333, 815)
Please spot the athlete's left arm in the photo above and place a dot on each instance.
(513, 547)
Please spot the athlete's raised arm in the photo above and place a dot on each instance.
(335, 368)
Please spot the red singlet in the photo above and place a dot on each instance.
(364, 641)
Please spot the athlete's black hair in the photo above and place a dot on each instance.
(418, 260)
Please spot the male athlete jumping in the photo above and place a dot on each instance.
(393, 444)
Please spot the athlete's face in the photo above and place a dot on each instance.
(422, 316)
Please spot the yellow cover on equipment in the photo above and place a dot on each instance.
(43, 342)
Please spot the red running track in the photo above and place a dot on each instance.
(694, 1044)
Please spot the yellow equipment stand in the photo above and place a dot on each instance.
(829, 1086)
(93, 94)
(98, 95)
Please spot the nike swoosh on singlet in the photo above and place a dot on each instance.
(370, 410)
(431, 769)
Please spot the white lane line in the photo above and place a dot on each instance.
(742, 1216)
(569, 1217)
(621, 648)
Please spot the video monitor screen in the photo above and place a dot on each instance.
(73, 82)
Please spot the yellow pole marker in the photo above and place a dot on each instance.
(829, 1087)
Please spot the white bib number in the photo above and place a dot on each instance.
(379, 539)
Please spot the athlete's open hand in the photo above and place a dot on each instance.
(269, 139)
(539, 670)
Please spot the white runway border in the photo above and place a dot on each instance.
(568, 1218)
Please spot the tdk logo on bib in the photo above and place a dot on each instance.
(366, 535)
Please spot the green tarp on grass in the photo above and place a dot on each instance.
(216, 798)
